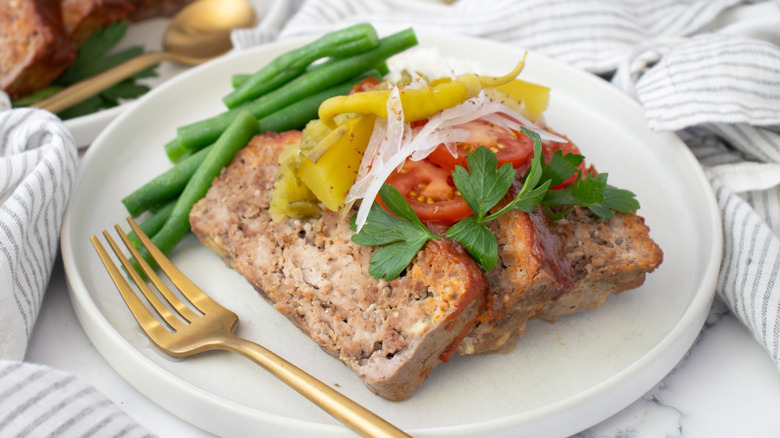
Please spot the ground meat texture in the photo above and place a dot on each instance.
(608, 256)
(34, 47)
(392, 334)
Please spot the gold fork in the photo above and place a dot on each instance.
(186, 331)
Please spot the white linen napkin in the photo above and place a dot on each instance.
(38, 160)
(706, 69)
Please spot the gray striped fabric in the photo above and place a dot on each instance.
(37, 170)
(707, 69)
(38, 160)
(37, 401)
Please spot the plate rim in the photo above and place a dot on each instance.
(681, 336)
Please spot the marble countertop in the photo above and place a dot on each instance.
(726, 386)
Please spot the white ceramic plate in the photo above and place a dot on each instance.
(149, 34)
(561, 379)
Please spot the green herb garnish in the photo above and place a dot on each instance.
(482, 187)
(403, 234)
(93, 58)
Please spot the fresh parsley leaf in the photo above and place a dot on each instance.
(615, 199)
(37, 96)
(381, 228)
(92, 59)
(561, 167)
(395, 201)
(478, 240)
(127, 89)
(530, 195)
(389, 261)
(86, 106)
(402, 232)
(485, 184)
(582, 192)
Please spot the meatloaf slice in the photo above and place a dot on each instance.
(82, 17)
(532, 272)
(608, 256)
(34, 48)
(601, 256)
(392, 334)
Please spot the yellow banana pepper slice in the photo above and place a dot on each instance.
(418, 104)
(533, 98)
(338, 158)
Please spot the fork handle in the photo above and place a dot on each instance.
(341, 407)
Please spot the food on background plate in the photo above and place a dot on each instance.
(46, 45)
(422, 216)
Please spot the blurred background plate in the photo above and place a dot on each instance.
(149, 33)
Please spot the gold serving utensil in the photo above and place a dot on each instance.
(203, 325)
(198, 33)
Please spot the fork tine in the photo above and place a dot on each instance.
(172, 299)
(169, 317)
(193, 293)
(148, 322)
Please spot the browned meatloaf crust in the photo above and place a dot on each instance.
(34, 48)
(82, 17)
(608, 256)
(392, 334)
(602, 257)
(532, 272)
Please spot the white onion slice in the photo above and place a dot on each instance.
(393, 140)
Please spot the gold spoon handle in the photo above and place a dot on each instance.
(341, 407)
(89, 87)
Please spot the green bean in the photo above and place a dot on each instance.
(349, 41)
(206, 131)
(165, 186)
(239, 78)
(152, 225)
(298, 114)
(236, 136)
(293, 116)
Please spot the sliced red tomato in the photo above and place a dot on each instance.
(366, 84)
(429, 190)
(509, 146)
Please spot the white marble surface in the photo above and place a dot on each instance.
(726, 386)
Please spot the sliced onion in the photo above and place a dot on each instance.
(394, 140)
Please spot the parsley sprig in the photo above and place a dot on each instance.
(94, 58)
(403, 234)
(482, 187)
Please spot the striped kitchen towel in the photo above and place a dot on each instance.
(706, 69)
(38, 401)
(38, 160)
(37, 170)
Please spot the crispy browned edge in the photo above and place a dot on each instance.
(34, 48)
(82, 17)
